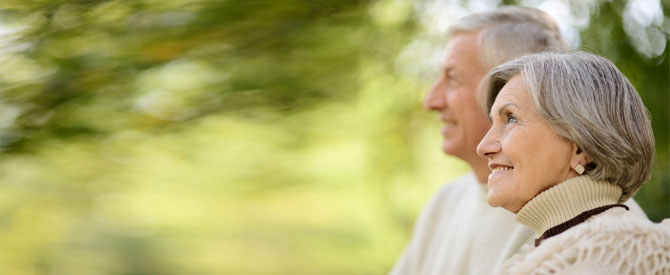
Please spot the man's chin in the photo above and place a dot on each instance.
(452, 148)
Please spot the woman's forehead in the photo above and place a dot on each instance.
(514, 91)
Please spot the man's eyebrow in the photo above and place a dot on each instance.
(446, 68)
(502, 108)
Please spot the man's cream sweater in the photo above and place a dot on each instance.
(459, 233)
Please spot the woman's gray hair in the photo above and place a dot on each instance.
(589, 101)
(509, 32)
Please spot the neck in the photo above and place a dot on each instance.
(565, 201)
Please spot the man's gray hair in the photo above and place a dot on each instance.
(589, 101)
(509, 32)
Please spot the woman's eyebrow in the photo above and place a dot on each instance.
(502, 108)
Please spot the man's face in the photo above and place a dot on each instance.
(454, 96)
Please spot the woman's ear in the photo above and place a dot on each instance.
(579, 159)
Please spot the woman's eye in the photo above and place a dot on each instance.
(511, 118)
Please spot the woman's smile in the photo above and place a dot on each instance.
(500, 171)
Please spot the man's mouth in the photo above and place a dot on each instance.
(449, 122)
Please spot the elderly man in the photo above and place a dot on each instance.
(458, 232)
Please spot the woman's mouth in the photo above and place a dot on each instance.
(501, 169)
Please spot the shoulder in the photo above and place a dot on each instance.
(618, 221)
(463, 185)
(635, 208)
(611, 229)
(616, 241)
(452, 194)
(442, 206)
(431, 225)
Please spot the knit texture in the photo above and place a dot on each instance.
(565, 201)
(459, 233)
(613, 242)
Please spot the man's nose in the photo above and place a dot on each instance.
(435, 99)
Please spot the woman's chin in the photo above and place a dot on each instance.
(491, 199)
(495, 201)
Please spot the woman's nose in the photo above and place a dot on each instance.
(490, 145)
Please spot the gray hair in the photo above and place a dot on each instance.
(509, 32)
(589, 101)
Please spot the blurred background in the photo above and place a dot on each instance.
(254, 136)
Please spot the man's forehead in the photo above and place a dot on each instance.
(450, 60)
(461, 48)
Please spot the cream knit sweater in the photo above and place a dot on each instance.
(459, 233)
(613, 242)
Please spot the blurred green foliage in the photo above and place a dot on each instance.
(234, 137)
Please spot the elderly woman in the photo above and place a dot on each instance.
(570, 141)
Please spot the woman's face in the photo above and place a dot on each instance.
(526, 156)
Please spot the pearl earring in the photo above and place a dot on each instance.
(579, 169)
